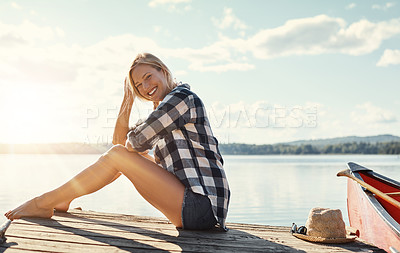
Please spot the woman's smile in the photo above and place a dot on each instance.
(152, 91)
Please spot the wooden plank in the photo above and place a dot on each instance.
(187, 240)
(232, 235)
(97, 232)
(31, 245)
(151, 230)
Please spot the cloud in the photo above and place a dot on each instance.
(229, 20)
(33, 54)
(279, 122)
(39, 50)
(30, 52)
(368, 113)
(320, 35)
(350, 6)
(311, 36)
(217, 57)
(261, 114)
(383, 7)
(27, 32)
(389, 57)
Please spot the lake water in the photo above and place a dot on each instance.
(270, 190)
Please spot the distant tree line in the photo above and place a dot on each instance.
(228, 149)
(308, 149)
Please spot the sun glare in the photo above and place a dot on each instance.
(26, 115)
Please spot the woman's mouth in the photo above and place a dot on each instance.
(150, 93)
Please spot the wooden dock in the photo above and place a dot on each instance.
(83, 231)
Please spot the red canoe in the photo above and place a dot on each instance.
(376, 219)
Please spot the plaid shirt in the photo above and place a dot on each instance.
(186, 147)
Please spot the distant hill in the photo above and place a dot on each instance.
(382, 144)
(348, 139)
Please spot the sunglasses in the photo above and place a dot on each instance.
(298, 230)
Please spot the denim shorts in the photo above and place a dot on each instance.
(197, 212)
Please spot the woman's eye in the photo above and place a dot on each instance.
(137, 86)
(148, 77)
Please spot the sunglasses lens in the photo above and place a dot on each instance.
(302, 230)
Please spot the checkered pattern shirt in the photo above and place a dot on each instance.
(186, 147)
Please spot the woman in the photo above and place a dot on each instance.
(185, 180)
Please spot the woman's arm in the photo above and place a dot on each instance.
(122, 124)
(174, 112)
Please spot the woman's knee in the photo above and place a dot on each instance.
(118, 148)
(114, 153)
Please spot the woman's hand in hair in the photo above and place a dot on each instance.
(128, 92)
(122, 124)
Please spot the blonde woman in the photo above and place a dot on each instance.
(185, 179)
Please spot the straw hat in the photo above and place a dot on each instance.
(326, 226)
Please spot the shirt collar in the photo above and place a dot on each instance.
(183, 85)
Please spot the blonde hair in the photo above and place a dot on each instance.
(155, 62)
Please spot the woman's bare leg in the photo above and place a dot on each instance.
(159, 187)
(89, 180)
(64, 206)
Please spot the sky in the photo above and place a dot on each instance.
(267, 71)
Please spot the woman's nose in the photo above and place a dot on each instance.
(145, 85)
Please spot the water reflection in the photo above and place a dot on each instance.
(279, 190)
(274, 190)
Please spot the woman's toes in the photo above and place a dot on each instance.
(29, 209)
(9, 216)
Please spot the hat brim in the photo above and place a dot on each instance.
(325, 240)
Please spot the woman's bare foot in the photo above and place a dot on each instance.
(62, 207)
(29, 209)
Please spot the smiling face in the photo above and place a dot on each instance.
(150, 82)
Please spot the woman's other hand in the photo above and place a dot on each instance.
(128, 146)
